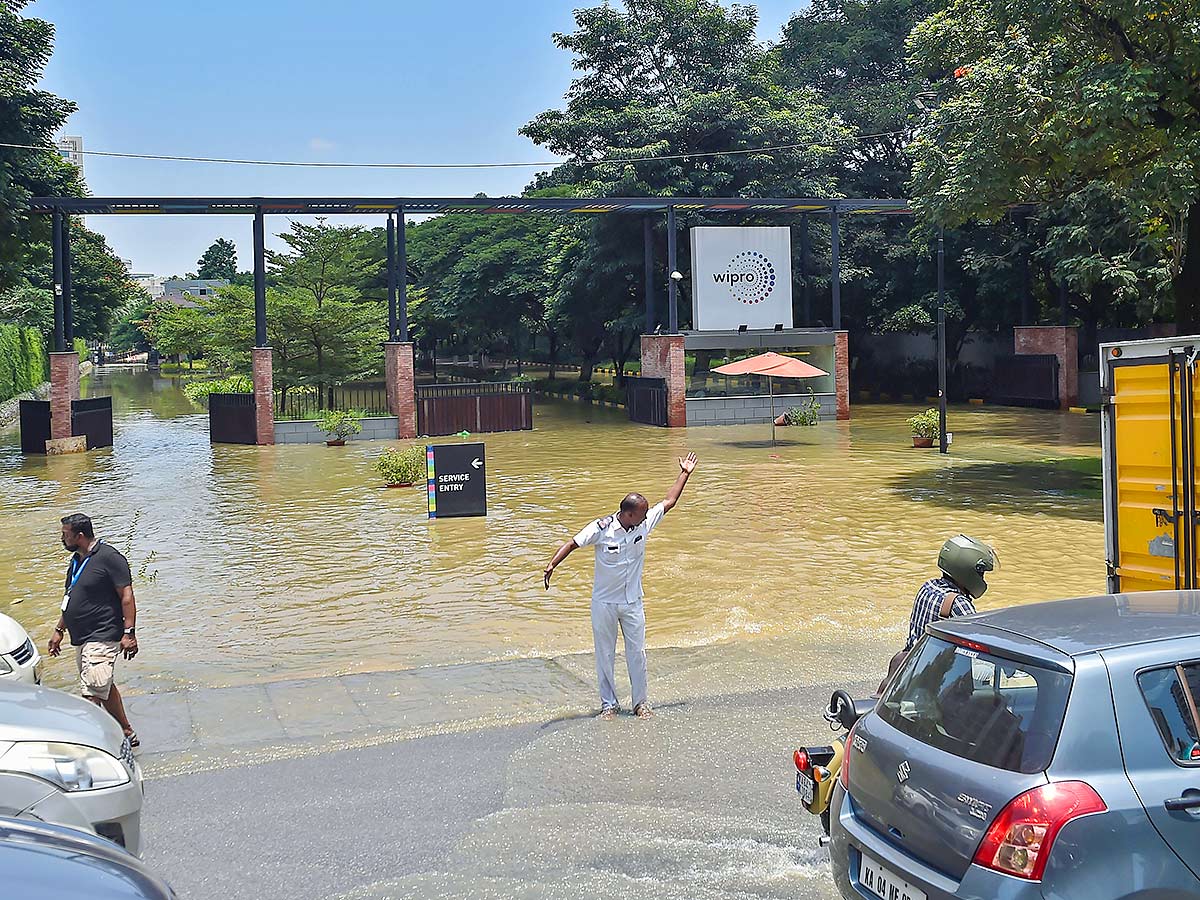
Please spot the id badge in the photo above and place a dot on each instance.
(66, 600)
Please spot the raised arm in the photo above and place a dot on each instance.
(562, 553)
(686, 466)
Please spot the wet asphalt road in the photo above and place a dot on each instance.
(698, 802)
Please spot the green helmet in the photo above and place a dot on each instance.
(964, 560)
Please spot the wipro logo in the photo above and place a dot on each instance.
(750, 277)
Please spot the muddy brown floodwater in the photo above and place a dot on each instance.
(257, 564)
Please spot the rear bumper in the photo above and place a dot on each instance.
(850, 839)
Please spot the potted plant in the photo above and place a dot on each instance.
(339, 424)
(402, 467)
(807, 413)
(925, 427)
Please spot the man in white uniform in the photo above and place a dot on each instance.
(620, 542)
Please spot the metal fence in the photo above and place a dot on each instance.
(488, 407)
(310, 402)
(93, 418)
(646, 400)
(1027, 380)
(232, 419)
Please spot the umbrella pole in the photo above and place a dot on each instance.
(771, 391)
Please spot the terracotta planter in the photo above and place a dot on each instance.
(922, 441)
(335, 443)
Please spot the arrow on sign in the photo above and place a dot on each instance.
(476, 463)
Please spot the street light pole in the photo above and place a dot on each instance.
(943, 445)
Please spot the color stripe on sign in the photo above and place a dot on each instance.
(432, 478)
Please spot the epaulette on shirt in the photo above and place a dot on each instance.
(605, 522)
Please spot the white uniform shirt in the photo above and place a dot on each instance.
(620, 556)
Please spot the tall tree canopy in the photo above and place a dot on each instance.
(218, 261)
(1054, 100)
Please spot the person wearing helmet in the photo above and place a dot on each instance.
(963, 562)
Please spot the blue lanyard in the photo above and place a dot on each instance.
(77, 571)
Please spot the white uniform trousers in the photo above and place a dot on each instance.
(631, 617)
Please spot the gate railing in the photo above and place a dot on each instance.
(1027, 380)
(487, 407)
(232, 419)
(646, 400)
(93, 418)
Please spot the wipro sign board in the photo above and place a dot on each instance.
(741, 276)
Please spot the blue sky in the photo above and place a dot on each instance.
(359, 81)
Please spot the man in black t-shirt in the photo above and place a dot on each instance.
(98, 610)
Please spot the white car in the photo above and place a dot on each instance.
(64, 760)
(19, 658)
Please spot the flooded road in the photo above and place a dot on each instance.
(372, 705)
(258, 564)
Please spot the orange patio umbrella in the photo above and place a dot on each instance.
(773, 365)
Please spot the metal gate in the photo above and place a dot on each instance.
(232, 419)
(93, 418)
(1027, 380)
(35, 425)
(646, 400)
(451, 408)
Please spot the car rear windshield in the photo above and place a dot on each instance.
(978, 706)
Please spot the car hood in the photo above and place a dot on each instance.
(32, 713)
(12, 635)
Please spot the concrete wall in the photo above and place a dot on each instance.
(751, 410)
(382, 428)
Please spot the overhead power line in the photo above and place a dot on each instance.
(316, 164)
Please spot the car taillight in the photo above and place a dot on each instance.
(844, 775)
(1020, 839)
(800, 758)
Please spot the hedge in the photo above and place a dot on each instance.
(23, 361)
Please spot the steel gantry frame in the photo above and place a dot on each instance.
(397, 208)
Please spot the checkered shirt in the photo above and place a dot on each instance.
(929, 602)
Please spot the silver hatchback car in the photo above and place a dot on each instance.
(1041, 751)
(65, 761)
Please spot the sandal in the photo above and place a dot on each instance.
(133, 739)
(643, 711)
(608, 713)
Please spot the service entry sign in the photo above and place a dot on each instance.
(741, 276)
(457, 480)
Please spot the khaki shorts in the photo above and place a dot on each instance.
(96, 661)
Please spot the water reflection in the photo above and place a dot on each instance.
(292, 561)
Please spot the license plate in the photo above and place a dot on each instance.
(804, 787)
(883, 883)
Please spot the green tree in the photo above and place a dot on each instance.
(1049, 100)
(129, 331)
(32, 117)
(218, 261)
(100, 284)
(176, 330)
(325, 261)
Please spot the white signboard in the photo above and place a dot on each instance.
(741, 276)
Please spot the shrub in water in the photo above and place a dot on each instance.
(926, 424)
(340, 423)
(403, 466)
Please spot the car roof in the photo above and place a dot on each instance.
(1087, 624)
(39, 860)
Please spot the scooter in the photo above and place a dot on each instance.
(817, 768)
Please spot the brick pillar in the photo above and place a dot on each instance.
(264, 395)
(64, 389)
(841, 373)
(1061, 341)
(662, 357)
(401, 386)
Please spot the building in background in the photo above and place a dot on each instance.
(197, 287)
(151, 284)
